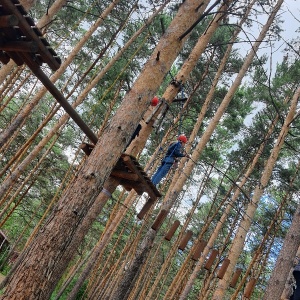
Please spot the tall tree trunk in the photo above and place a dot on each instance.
(238, 243)
(288, 289)
(129, 277)
(48, 255)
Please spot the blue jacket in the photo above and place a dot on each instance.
(174, 150)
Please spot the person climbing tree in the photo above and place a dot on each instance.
(154, 102)
(135, 134)
(175, 150)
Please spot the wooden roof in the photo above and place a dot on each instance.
(130, 174)
(21, 40)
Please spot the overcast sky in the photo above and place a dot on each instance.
(289, 13)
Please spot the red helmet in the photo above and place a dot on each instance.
(182, 138)
(154, 101)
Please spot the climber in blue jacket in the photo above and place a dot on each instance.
(174, 150)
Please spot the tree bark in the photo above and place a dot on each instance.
(288, 289)
(129, 277)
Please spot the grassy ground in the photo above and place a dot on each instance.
(1, 277)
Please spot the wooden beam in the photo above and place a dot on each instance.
(223, 268)
(29, 32)
(130, 164)
(125, 175)
(20, 7)
(144, 174)
(8, 21)
(235, 277)
(198, 249)
(58, 96)
(15, 57)
(86, 148)
(129, 185)
(185, 239)
(138, 187)
(31, 47)
(172, 230)
(29, 20)
(128, 188)
(211, 259)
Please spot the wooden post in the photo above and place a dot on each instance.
(185, 239)
(249, 287)
(8, 21)
(198, 250)
(19, 46)
(223, 268)
(159, 219)
(125, 175)
(211, 259)
(145, 209)
(172, 230)
(235, 277)
(16, 58)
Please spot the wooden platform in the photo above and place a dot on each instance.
(21, 40)
(130, 174)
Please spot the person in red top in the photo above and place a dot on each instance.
(175, 150)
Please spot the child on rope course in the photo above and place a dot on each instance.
(175, 150)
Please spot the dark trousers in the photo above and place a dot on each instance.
(161, 172)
